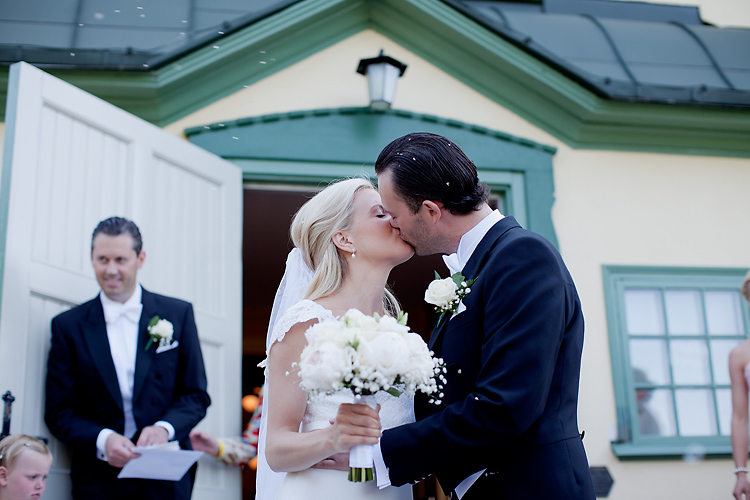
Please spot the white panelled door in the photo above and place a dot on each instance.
(71, 160)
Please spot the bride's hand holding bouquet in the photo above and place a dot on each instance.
(366, 354)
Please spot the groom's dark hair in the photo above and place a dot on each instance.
(115, 226)
(430, 167)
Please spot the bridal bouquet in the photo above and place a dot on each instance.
(367, 354)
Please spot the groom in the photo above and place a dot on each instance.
(507, 425)
(110, 389)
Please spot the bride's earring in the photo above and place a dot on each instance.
(353, 255)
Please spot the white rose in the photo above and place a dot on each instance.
(354, 317)
(387, 353)
(163, 329)
(357, 319)
(365, 327)
(391, 324)
(420, 358)
(441, 292)
(321, 367)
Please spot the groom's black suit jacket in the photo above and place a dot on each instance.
(83, 394)
(513, 360)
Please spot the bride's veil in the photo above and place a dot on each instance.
(291, 290)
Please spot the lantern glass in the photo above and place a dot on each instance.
(382, 80)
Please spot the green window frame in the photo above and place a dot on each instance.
(670, 331)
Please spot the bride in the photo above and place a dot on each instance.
(344, 251)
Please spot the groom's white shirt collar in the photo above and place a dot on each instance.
(133, 300)
(469, 242)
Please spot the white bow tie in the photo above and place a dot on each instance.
(452, 262)
(113, 312)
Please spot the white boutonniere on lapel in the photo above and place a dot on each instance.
(446, 294)
(161, 331)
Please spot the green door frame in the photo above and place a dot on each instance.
(317, 146)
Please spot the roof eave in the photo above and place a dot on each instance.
(536, 90)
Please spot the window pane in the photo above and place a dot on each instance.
(720, 359)
(723, 312)
(684, 312)
(650, 356)
(724, 401)
(647, 423)
(690, 362)
(695, 412)
(643, 312)
(656, 413)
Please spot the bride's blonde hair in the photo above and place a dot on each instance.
(312, 230)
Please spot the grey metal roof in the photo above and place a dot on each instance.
(620, 50)
(628, 50)
(119, 34)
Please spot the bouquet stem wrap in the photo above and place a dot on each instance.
(360, 456)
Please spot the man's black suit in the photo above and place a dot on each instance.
(513, 360)
(84, 397)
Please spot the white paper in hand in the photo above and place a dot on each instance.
(166, 462)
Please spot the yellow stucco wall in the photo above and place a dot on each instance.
(645, 209)
(611, 208)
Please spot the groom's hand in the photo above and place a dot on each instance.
(355, 424)
(339, 461)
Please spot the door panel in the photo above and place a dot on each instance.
(71, 160)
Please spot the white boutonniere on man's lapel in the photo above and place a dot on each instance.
(446, 294)
(161, 331)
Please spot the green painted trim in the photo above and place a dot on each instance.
(615, 279)
(513, 187)
(332, 143)
(300, 173)
(626, 451)
(429, 120)
(444, 37)
(257, 52)
(510, 184)
(616, 349)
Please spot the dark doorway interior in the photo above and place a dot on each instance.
(266, 243)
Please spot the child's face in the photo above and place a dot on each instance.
(28, 477)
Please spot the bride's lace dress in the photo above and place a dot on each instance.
(314, 484)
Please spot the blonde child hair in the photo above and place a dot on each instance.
(11, 449)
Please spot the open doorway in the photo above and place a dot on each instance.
(268, 211)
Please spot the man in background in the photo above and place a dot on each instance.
(114, 383)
